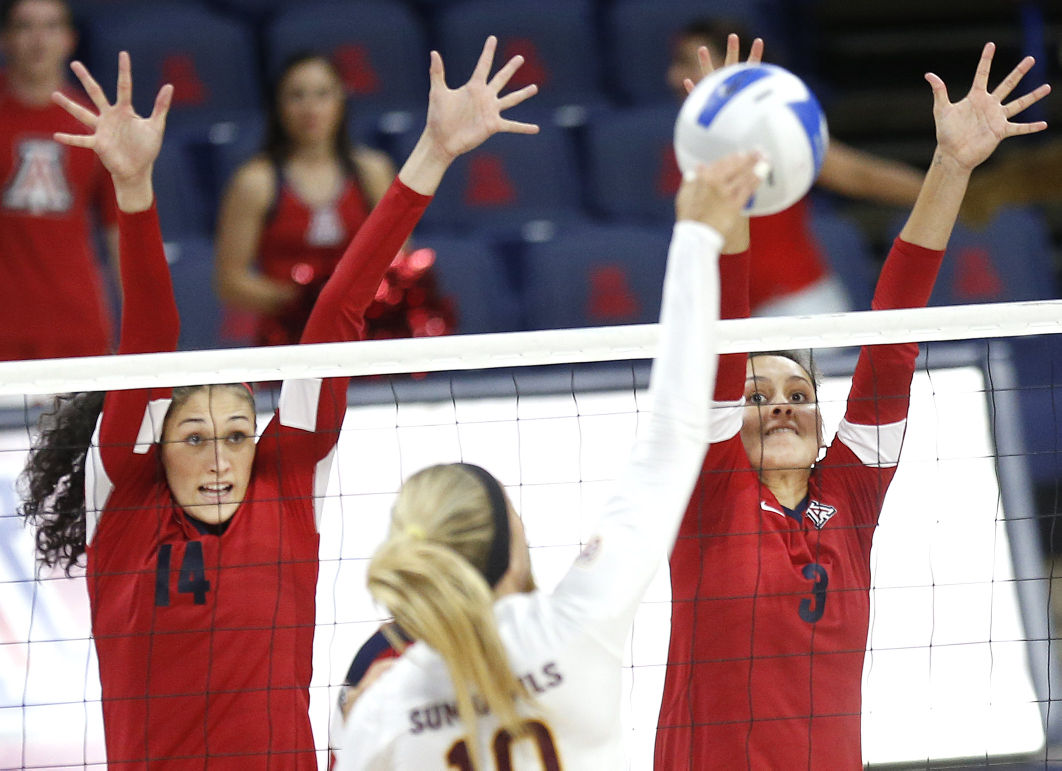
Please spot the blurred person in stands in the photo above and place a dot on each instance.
(53, 301)
(790, 273)
(289, 212)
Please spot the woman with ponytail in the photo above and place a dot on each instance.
(493, 673)
(201, 544)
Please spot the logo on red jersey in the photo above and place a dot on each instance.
(819, 513)
(39, 183)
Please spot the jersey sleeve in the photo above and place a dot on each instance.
(122, 447)
(876, 412)
(318, 406)
(602, 589)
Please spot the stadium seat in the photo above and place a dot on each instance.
(594, 275)
(378, 46)
(848, 254)
(180, 198)
(555, 37)
(1038, 362)
(640, 34)
(1010, 259)
(511, 179)
(475, 277)
(210, 59)
(631, 170)
(192, 271)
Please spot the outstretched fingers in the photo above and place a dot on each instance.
(984, 68)
(76, 140)
(518, 127)
(517, 97)
(504, 75)
(756, 52)
(486, 59)
(125, 79)
(80, 112)
(162, 106)
(436, 71)
(940, 91)
(92, 88)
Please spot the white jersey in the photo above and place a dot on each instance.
(567, 646)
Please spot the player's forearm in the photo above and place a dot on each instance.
(937, 208)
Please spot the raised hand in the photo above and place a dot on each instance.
(715, 195)
(969, 130)
(733, 55)
(461, 119)
(126, 144)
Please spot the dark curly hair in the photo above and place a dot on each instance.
(52, 484)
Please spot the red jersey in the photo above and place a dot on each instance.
(205, 641)
(301, 246)
(770, 608)
(52, 300)
(787, 257)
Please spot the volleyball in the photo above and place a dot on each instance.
(762, 107)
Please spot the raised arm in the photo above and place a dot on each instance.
(459, 120)
(603, 588)
(968, 132)
(128, 145)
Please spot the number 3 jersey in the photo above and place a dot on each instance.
(770, 607)
(205, 640)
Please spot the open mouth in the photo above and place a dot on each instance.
(215, 491)
(781, 430)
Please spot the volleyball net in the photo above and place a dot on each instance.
(961, 660)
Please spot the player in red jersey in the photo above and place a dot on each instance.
(771, 572)
(202, 544)
(289, 212)
(52, 297)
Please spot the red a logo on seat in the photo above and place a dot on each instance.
(533, 70)
(976, 278)
(356, 70)
(668, 178)
(489, 184)
(610, 297)
(188, 87)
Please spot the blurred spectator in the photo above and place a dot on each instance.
(789, 274)
(290, 211)
(52, 297)
(1029, 174)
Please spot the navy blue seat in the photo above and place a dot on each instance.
(641, 34)
(848, 254)
(556, 38)
(1010, 259)
(378, 46)
(192, 270)
(210, 59)
(181, 202)
(509, 180)
(594, 275)
(474, 276)
(631, 170)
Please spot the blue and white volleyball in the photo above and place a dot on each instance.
(762, 107)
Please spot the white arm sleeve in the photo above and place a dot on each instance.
(602, 589)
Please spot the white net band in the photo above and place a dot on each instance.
(521, 349)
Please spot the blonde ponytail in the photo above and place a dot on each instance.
(429, 574)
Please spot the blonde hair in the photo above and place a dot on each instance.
(429, 574)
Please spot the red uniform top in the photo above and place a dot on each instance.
(770, 609)
(301, 246)
(205, 641)
(788, 259)
(52, 300)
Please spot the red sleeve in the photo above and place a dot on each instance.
(149, 324)
(339, 313)
(881, 385)
(733, 304)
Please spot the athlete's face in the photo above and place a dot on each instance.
(311, 103)
(685, 64)
(38, 39)
(780, 429)
(207, 452)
